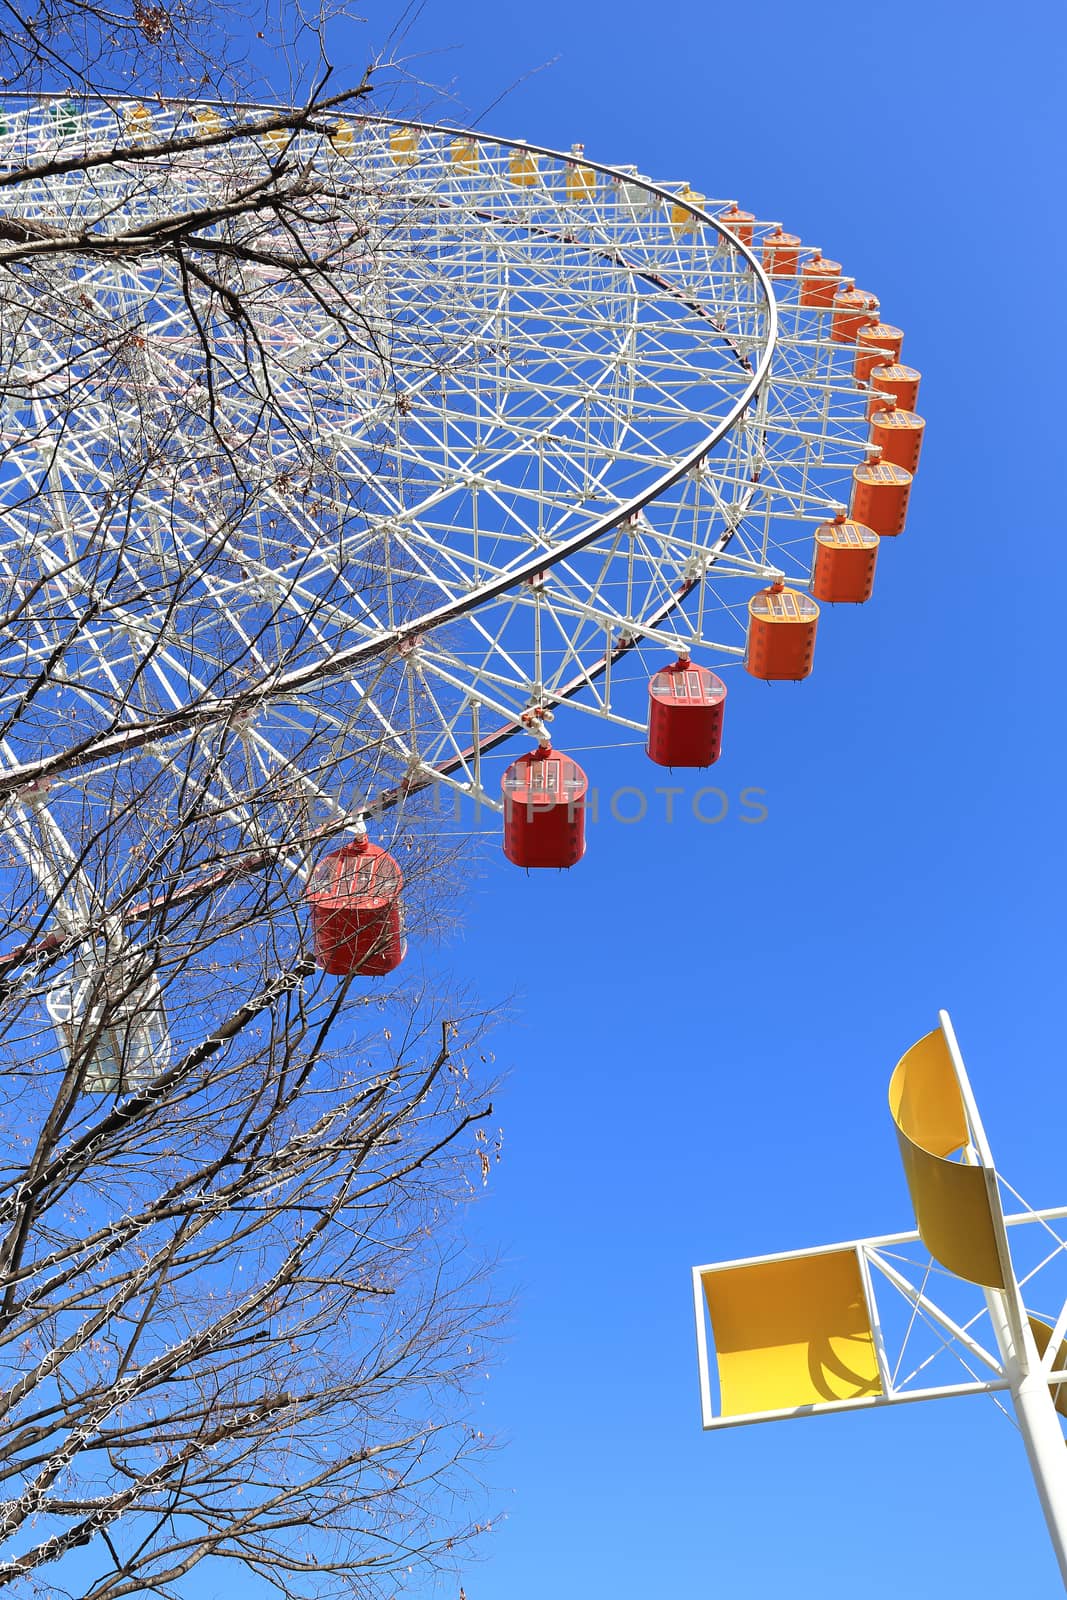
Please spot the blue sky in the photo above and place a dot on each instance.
(704, 1017)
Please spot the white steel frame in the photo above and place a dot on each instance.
(880, 1277)
(614, 430)
(734, 421)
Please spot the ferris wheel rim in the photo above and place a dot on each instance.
(407, 634)
(423, 774)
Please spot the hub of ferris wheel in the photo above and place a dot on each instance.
(552, 435)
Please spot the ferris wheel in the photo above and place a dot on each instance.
(545, 433)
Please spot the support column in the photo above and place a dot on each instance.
(1038, 1419)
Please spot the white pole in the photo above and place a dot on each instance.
(1031, 1393)
(1038, 1420)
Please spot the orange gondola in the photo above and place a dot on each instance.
(846, 554)
(781, 633)
(819, 280)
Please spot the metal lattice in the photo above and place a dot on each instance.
(539, 413)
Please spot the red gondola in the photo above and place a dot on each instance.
(686, 705)
(544, 809)
(357, 919)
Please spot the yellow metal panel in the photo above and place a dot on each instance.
(924, 1097)
(951, 1204)
(791, 1333)
(951, 1201)
(1042, 1334)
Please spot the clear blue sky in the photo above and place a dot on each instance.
(705, 1017)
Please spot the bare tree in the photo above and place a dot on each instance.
(236, 1317)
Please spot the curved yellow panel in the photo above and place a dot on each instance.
(924, 1097)
(951, 1202)
(791, 1332)
(1042, 1334)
